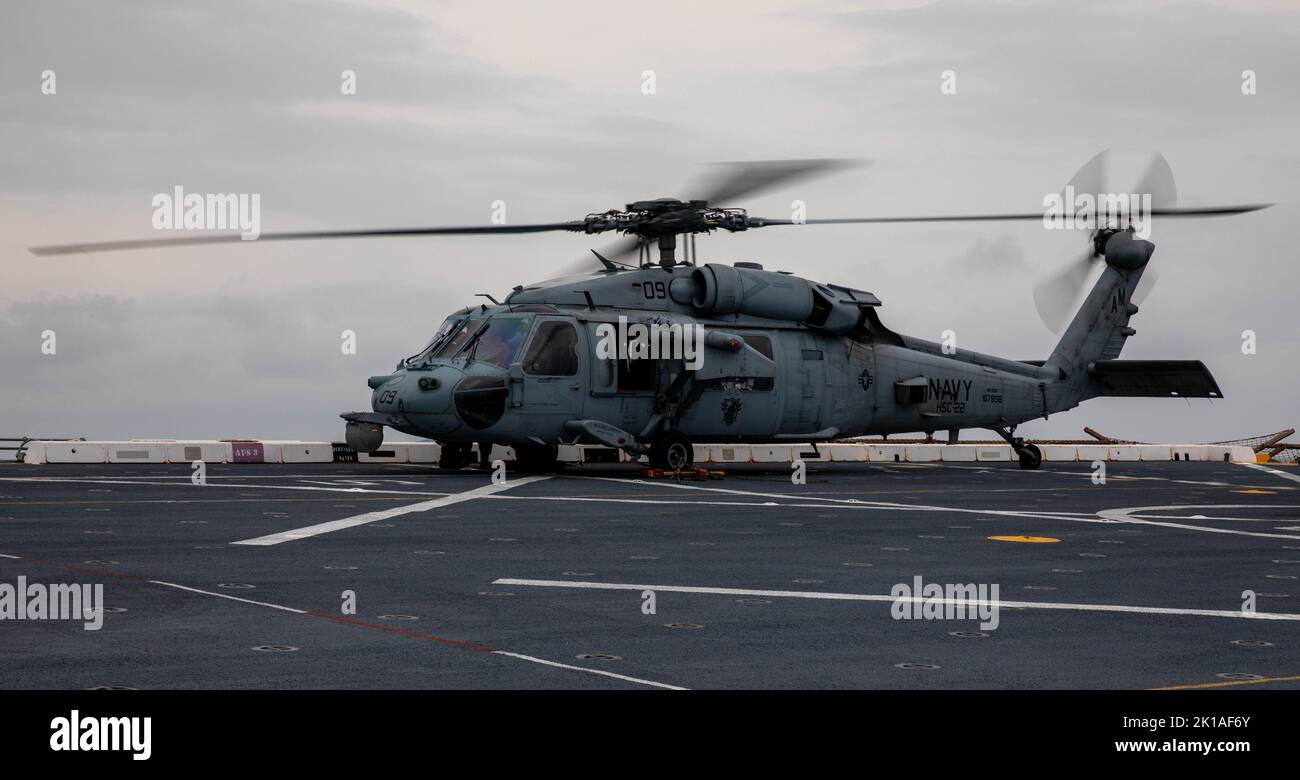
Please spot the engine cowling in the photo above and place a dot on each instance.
(723, 289)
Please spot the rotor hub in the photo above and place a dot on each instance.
(653, 219)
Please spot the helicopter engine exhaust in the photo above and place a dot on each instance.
(723, 289)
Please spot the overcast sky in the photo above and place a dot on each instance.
(541, 105)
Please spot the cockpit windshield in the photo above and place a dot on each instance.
(456, 338)
(440, 339)
(498, 341)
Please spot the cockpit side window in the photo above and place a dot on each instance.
(553, 351)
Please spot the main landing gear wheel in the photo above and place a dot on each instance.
(671, 450)
(1030, 456)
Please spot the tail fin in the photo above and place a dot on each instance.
(1101, 326)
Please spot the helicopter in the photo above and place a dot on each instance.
(777, 357)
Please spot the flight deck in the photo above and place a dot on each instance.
(367, 575)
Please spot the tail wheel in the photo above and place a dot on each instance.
(672, 450)
(1030, 457)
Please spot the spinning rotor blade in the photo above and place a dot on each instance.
(1055, 296)
(1158, 182)
(1145, 285)
(1093, 177)
(618, 253)
(224, 238)
(735, 180)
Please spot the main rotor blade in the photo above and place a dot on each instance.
(1055, 295)
(224, 238)
(1173, 211)
(735, 180)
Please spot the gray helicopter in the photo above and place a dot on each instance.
(748, 354)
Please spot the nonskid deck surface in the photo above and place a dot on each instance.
(756, 582)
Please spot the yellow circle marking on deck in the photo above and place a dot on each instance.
(1028, 539)
(1255, 492)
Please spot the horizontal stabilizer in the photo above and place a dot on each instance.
(1154, 379)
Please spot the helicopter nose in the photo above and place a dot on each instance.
(416, 392)
(424, 397)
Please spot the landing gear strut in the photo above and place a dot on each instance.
(1030, 456)
(454, 456)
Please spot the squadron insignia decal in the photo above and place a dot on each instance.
(731, 410)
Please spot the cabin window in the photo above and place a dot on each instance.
(553, 351)
(637, 376)
(763, 346)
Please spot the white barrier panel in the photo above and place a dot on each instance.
(957, 453)
(190, 451)
(387, 453)
(845, 453)
(922, 452)
(1224, 453)
(136, 452)
(423, 452)
(38, 452)
(887, 453)
(1155, 452)
(76, 452)
(1090, 452)
(805, 452)
(780, 453)
(1059, 452)
(729, 453)
(304, 451)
